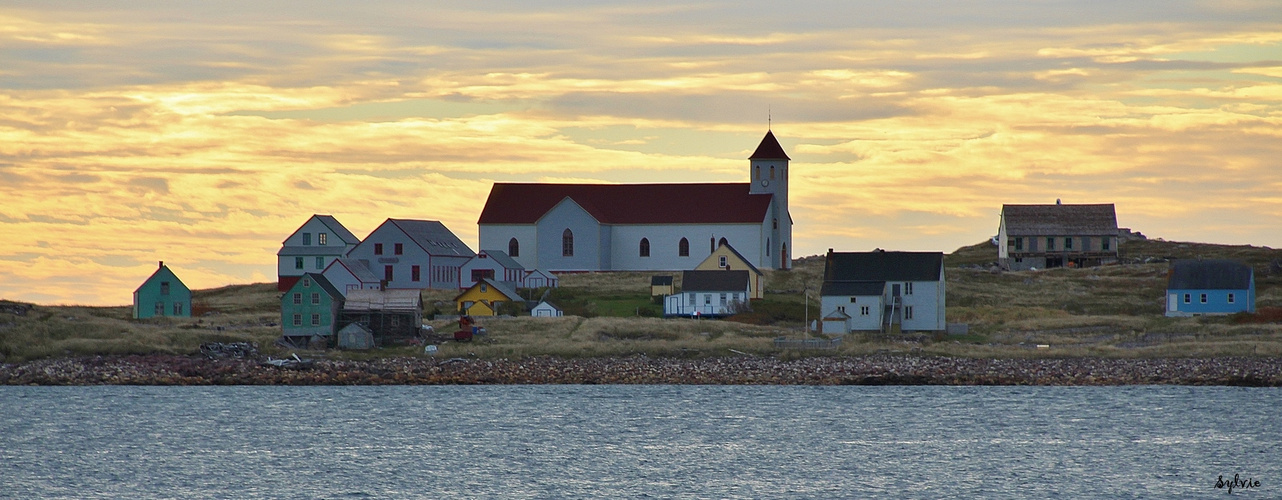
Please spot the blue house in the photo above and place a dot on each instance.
(1197, 287)
(163, 294)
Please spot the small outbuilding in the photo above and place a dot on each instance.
(355, 337)
(392, 315)
(661, 285)
(162, 294)
(1211, 286)
(546, 309)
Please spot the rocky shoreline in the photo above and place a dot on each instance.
(863, 370)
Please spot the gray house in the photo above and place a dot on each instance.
(1045, 236)
(311, 248)
(417, 254)
(882, 291)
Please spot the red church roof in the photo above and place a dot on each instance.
(719, 203)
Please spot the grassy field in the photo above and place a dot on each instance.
(1111, 311)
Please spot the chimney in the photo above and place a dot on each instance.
(162, 265)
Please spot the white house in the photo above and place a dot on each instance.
(880, 291)
(408, 253)
(491, 264)
(644, 227)
(312, 248)
(539, 279)
(709, 293)
(546, 309)
(351, 274)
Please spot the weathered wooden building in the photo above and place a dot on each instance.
(1046, 236)
(391, 315)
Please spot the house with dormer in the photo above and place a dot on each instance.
(644, 227)
(311, 248)
(417, 254)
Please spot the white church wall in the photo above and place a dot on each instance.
(497, 237)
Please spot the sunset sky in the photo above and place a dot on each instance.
(203, 133)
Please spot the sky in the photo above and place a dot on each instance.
(204, 133)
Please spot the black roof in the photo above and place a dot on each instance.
(1210, 274)
(769, 149)
(847, 272)
(714, 281)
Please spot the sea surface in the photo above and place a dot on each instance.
(340, 442)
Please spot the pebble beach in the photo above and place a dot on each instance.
(879, 369)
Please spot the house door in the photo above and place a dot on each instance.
(783, 257)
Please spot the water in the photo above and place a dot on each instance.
(637, 442)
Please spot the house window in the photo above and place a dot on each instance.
(1188, 298)
(399, 249)
(1050, 244)
(160, 309)
(298, 320)
(1068, 243)
(178, 308)
(567, 243)
(513, 248)
(723, 261)
(1203, 298)
(645, 247)
(414, 273)
(378, 249)
(707, 299)
(387, 273)
(864, 310)
(298, 262)
(315, 298)
(908, 312)
(908, 288)
(164, 288)
(322, 238)
(320, 263)
(396, 321)
(1105, 242)
(852, 300)
(307, 282)
(479, 274)
(1019, 243)
(298, 298)
(315, 320)
(841, 308)
(485, 288)
(683, 248)
(307, 238)
(723, 299)
(1232, 299)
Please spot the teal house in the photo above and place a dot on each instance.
(163, 294)
(309, 310)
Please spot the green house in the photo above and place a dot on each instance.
(163, 294)
(309, 310)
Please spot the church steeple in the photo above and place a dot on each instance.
(768, 167)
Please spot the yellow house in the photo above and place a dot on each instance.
(483, 298)
(725, 258)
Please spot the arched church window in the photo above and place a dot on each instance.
(776, 223)
(567, 243)
(758, 177)
(645, 247)
(513, 248)
(772, 172)
(683, 248)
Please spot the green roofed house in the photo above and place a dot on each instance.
(163, 294)
(309, 310)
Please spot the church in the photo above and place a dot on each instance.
(644, 227)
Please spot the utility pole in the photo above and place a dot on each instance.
(805, 304)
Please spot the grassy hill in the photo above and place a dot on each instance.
(1113, 311)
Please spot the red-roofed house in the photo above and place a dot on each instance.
(644, 227)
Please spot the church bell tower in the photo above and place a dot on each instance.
(769, 175)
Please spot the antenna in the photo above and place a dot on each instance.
(768, 118)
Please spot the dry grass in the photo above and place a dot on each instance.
(1111, 311)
